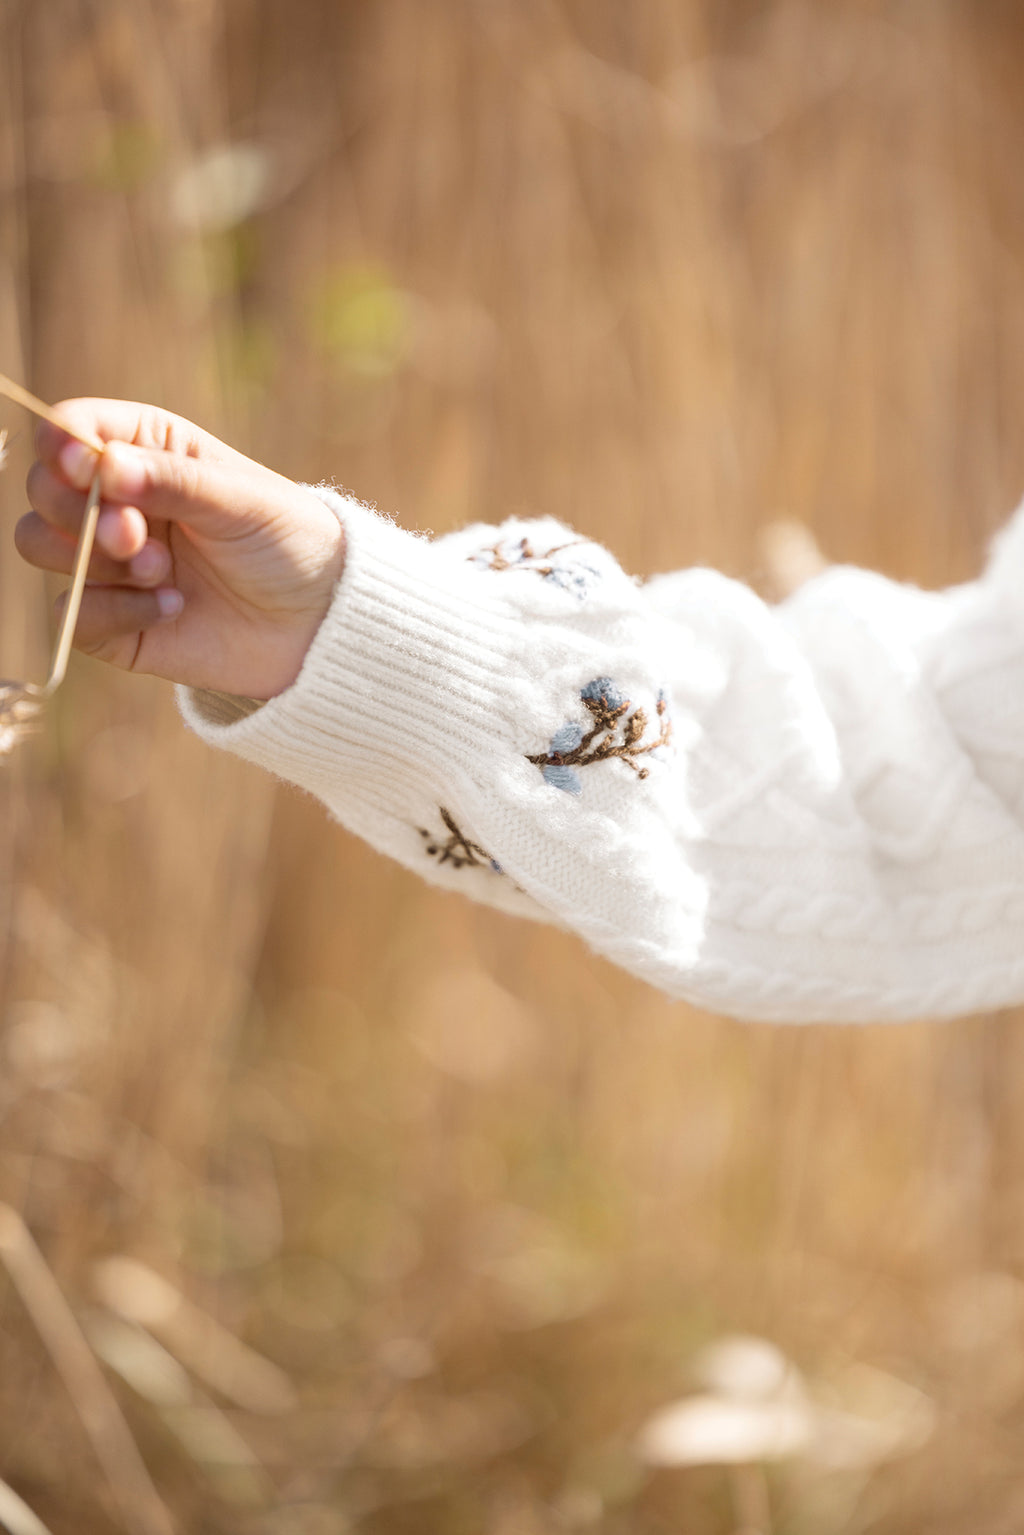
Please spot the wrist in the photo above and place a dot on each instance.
(323, 560)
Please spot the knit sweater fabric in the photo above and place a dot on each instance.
(808, 812)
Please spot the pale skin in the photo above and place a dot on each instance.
(209, 569)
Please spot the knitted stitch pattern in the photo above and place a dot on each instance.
(809, 812)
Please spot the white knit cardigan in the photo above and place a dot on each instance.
(807, 812)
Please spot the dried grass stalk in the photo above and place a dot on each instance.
(21, 702)
(22, 396)
(136, 1293)
(143, 1511)
(16, 1516)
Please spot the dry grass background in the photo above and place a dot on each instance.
(669, 270)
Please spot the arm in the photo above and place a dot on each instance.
(809, 812)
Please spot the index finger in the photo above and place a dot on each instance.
(98, 421)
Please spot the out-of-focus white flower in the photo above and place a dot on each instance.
(745, 1369)
(758, 1407)
(711, 1430)
(223, 187)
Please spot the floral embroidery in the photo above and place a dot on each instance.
(615, 732)
(518, 554)
(457, 849)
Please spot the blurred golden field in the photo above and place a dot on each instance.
(381, 1213)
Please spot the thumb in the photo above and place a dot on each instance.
(164, 485)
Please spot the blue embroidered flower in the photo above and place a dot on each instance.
(575, 579)
(561, 777)
(603, 691)
(615, 731)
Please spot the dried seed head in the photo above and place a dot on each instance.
(19, 715)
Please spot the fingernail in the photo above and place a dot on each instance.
(169, 603)
(124, 471)
(148, 563)
(78, 464)
(121, 533)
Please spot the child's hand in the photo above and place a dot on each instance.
(208, 568)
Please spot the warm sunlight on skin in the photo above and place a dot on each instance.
(211, 570)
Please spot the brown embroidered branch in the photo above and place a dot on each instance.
(615, 732)
(523, 556)
(572, 574)
(457, 849)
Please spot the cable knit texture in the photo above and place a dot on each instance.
(808, 812)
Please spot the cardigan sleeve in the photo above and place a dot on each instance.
(807, 812)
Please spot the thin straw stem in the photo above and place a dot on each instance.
(38, 407)
(69, 618)
(86, 538)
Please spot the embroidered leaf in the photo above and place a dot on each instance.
(576, 579)
(561, 777)
(566, 738)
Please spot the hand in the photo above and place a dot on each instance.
(208, 568)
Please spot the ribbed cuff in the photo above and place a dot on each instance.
(400, 682)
